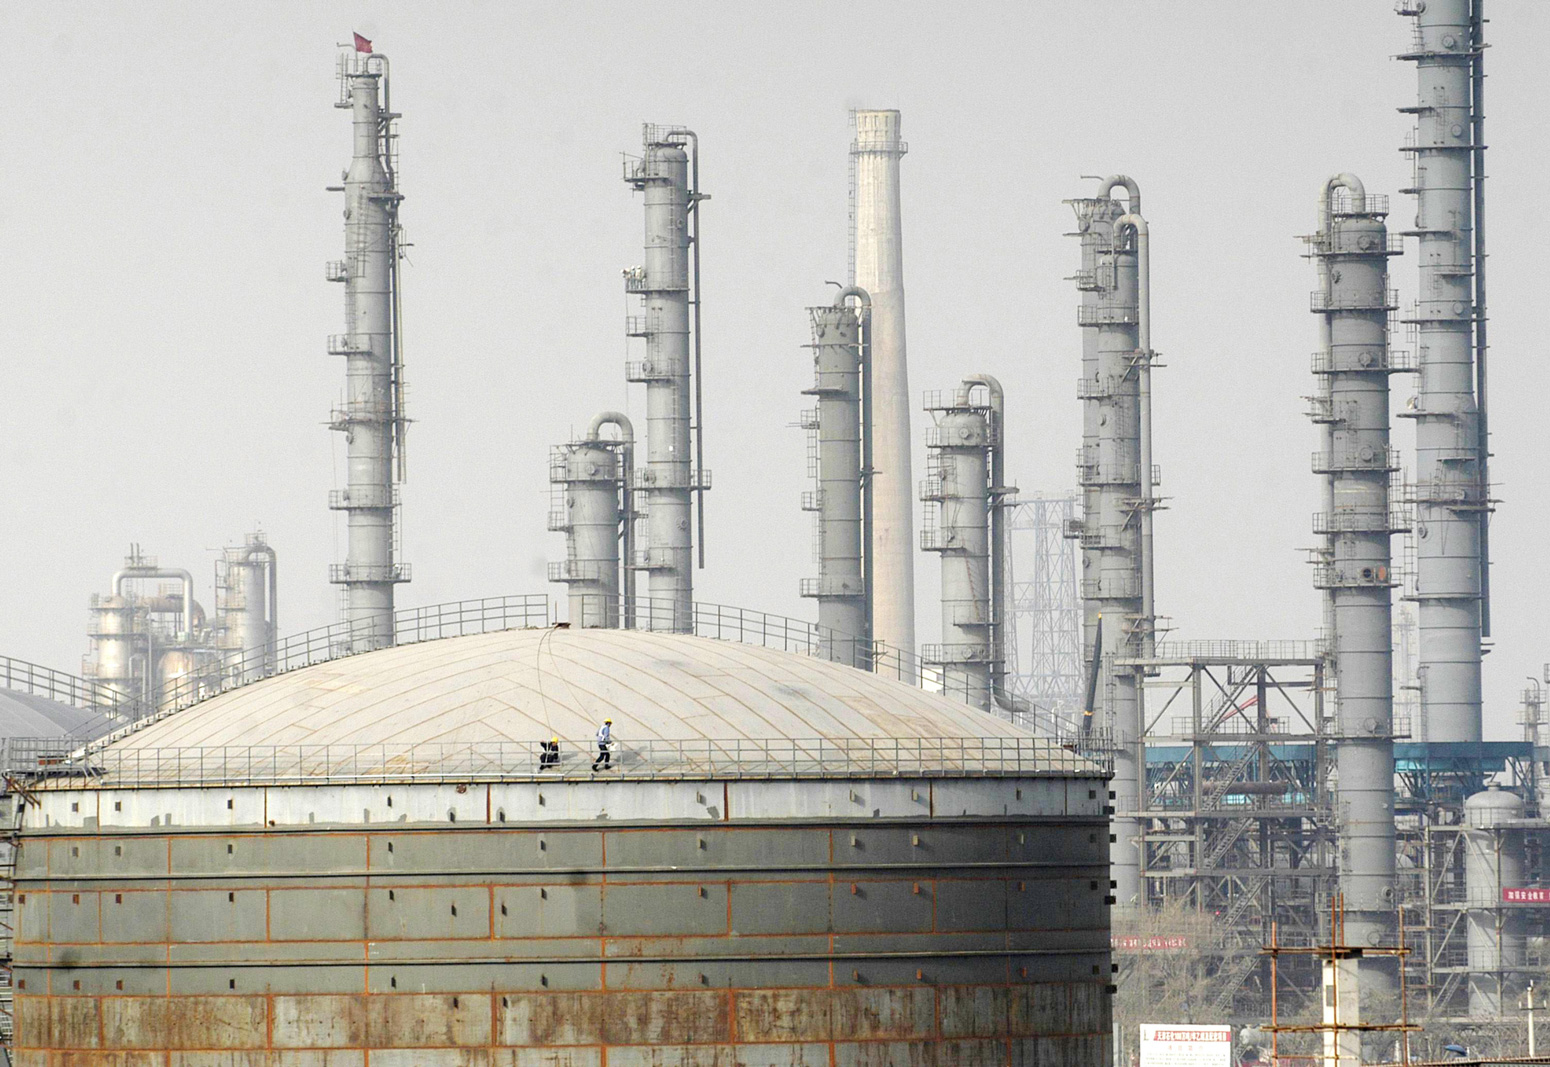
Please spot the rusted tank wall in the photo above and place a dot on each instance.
(743, 939)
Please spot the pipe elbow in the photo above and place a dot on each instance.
(1343, 180)
(614, 418)
(992, 386)
(1134, 220)
(1132, 190)
(853, 291)
(1347, 180)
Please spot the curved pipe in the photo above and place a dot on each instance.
(626, 501)
(998, 492)
(1132, 220)
(678, 137)
(611, 418)
(1132, 191)
(993, 387)
(1343, 180)
(867, 518)
(133, 573)
(271, 567)
(853, 291)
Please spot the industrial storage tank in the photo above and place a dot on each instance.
(30, 717)
(789, 862)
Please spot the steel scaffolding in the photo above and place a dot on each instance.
(1235, 810)
(1044, 617)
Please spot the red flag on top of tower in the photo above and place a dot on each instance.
(361, 44)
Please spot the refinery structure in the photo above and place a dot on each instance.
(814, 841)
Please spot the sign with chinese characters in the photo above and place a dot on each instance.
(1185, 1045)
(1525, 896)
(1133, 943)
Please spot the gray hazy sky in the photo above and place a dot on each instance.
(164, 226)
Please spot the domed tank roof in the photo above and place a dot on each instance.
(28, 715)
(1491, 806)
(528, 685)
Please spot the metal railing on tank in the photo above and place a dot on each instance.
(453, 762)
(727, 623)
(723, 622)
(20, 676)
(110, 708)
(494, 614)
(410, 626)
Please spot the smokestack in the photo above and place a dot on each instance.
(592, 477)
(879, 269)
(841, 446)
(1352, 249)
(1452, 487)
(1114, 469)
(372, 419)
(668, 177)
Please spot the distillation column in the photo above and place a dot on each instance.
(372, 419)
(246, 609)
(840, 439)
(962, 492)
(1494, 860)
(593, 476)
(879, 269)
(115, 633)
(1115, 472)
(670, 477)
(1451, 491)
(1352, 249)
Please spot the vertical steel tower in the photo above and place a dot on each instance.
(965, 526)
(667, 175)
(1352, 249)
(372, 418)
(841, 443)
(592, 506)
(1494, 860)
(1115, 471)
(247, 608)
(879, 269)
(1044, 606)
(1452, 488)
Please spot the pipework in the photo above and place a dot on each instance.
(593, 508)
(964, 492)
(840, 442)
(673, 475)
(1354, 568)
(141, 572)
(372, 418)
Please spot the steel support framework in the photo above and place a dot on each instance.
(1236, 805)
(1044, 616)
(1432, 780)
